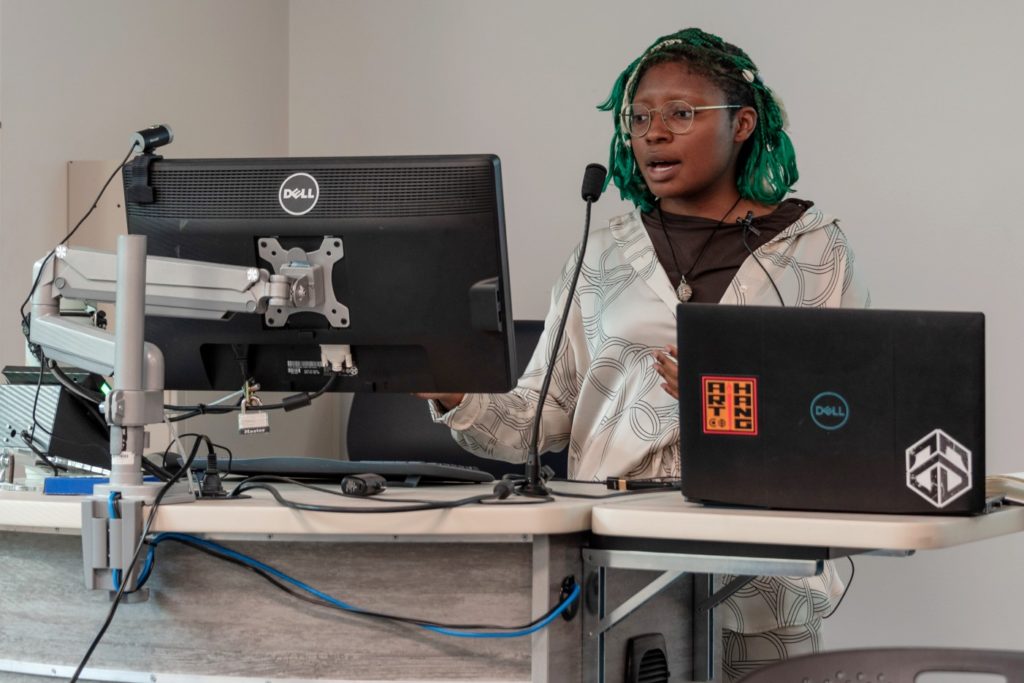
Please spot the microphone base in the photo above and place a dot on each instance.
(532, 489)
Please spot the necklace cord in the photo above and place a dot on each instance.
(703, 248)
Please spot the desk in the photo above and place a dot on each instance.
(475, 564)
(478, 564)
(666, 534)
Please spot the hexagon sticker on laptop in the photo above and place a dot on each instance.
(939, 468)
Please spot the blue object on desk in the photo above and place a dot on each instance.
(78, 486)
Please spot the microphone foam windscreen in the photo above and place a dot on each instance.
(593, 182)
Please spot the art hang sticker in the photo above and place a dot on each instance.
(939, 468)
(729, 405)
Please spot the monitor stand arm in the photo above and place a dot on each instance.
(137, 284)
(112, 520)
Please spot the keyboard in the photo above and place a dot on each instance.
(396, 472)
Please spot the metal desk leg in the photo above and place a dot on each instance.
(704, 602)
(703, 629)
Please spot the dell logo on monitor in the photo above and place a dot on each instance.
(829, 410)
(298, 194)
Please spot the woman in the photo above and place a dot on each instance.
(700, 150)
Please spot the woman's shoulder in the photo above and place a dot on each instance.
(629, 218)
(812, 221)
(624, 227)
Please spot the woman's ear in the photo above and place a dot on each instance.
(744, 124)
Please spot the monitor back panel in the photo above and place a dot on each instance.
(832, 410)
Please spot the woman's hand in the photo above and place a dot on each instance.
(449, 401)
(667, 366)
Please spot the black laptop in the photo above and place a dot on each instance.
(833, 409)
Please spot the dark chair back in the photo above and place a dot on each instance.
(398, 426)
(891, 665)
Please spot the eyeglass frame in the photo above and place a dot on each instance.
(625, 119)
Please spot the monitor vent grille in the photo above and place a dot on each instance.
(344, 192)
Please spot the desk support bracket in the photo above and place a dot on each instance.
(659, 584)
(598, 620)
(709, 603)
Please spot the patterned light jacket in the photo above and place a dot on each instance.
(606, 400)
(605, 397)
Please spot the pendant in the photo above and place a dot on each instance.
(684, 291)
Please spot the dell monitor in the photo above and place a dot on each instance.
(412, 256)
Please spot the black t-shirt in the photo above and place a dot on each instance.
(725, 252)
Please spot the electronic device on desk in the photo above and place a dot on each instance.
(69, 430)
(383, 274)
(399, 261)
(833, 409)
(299, 275)
(396, 472)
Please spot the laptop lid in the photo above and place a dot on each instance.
(832, 409)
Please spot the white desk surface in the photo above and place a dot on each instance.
(262, 515)
(654, 515)
(670, 516)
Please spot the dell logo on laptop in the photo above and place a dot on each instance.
(829, 410)
(298, 194)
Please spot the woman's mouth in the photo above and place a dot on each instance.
(661, 169)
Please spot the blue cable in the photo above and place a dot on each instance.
(509, 634)
(115, 574)
(146, 568)
(187, 538)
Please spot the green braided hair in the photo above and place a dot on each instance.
(767, 157)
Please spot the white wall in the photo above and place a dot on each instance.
(79, 77)
(904, 120)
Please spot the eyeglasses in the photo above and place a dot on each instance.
(677, 115)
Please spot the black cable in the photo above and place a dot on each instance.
(167, 451)
(97, 449)
(88, 400)
(612, 494)
(747, 227)
(155, 470)
(534, 500)
(42, 268)
(27, 437)
(431, 504)
(45, 457)
(126, 579)
(30, 436)
(241, 352)
(261, 483)
(289, 403)
(72, 386)
(849, 582)
(332, 492)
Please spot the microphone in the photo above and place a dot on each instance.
(593, 182)
(747, 223)
(148, 139)
(533, 485)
